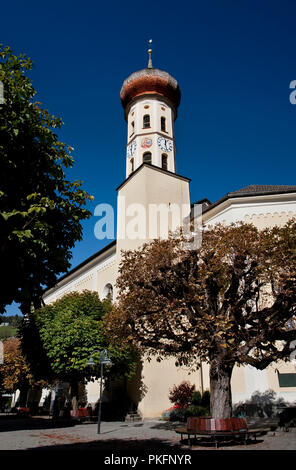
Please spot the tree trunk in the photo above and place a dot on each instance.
(220, 388)
(23, 396)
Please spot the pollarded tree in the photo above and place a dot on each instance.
(228, 302)
(40, 210)
(66, 333)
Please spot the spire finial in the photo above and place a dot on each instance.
(150, 58)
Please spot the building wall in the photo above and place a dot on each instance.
(263, 211)
(138, 191)
(94, 277)
(157, 378)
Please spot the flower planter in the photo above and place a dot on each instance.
(80, 413)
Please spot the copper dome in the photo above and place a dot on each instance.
(150, 81)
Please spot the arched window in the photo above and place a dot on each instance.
(131, 165)
(162, 123)
(132, 128)
(107, 292)
(164, 161)
(146, 121)
(147, 158)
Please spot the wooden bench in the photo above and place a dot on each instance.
(218, 430)
(217, 436)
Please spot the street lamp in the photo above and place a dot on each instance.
(104, 358)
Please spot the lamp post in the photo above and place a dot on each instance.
(104, 359)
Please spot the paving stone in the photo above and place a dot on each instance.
(43, 434)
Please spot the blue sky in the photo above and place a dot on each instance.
(233, 59)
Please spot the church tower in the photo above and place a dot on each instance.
(150, 98)
(150, 197)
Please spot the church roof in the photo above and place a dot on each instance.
(150, 81)
(254, 190)
(79, 266)
(153, 167)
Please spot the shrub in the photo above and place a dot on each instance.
(188, 403)
(196, 398)
(182, 394)
(201, 400)
(205, 399)
(196, 410)
(178, 414)
(167, 413)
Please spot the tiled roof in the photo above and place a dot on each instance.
(263, 188)
(254, 190)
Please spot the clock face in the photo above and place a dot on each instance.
(131, 149)
(165, 144)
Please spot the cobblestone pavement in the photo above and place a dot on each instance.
(149, 435)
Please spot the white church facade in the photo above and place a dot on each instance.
(150, 98)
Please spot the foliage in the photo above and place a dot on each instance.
(200, 404)
(13, 320)
(196, 397)
(206, 399)
(178, 414)
(7, 332)
(181, 395)
(15, 372)
(33, 349)
(228, 302)
(196, 410)
(166, 413)
(71, 329)
(40, 210)
(199, 399)
(181, 414)
(262, 404)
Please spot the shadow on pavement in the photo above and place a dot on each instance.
(210, 444)
(143, 447)
(136, 446)
(167, 425)
(13, 423)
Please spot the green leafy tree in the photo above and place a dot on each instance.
(70, 330)
(40, 210)
(231, 301)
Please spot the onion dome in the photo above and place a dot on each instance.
(150, 81)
